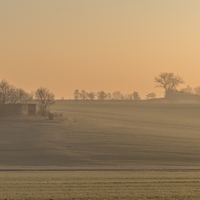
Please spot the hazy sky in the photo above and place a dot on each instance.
(98, 44)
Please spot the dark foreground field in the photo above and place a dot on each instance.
(99, 186)
(104, 135)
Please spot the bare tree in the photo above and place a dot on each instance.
(128, 96)
(117, 95)
(6, 90)
(101, 95)
(109, 96)
(91, 96)
(197, 90)
(151, 95)
(20, 96)
(136, 96)
(83, 95)
(187, 90)
(76, 95)
(44, 98)
(169, 82)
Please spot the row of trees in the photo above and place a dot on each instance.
(167, 81)
(11, 94)
(44, 98)
(116, 95)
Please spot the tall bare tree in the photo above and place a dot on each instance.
(169, 82)
(44, 98)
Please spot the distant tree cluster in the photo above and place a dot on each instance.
(189, 90)
(170, 82)
(151, 95)
(11, 94)
(167, 81)
(102, 95)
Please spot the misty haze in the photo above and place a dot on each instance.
(99, 100)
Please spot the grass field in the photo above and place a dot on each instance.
(99, 185)
(103, 150)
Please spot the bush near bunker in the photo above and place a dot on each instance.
(44, 99)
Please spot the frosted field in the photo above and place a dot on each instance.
(104, 135)
(102, 150)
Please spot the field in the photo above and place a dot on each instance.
(103, 150)
(99, 185)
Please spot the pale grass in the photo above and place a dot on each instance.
(99, 185)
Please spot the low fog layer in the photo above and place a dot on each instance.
(104, 135)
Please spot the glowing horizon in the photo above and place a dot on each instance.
(98, 45)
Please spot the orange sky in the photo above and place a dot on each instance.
(98, 44)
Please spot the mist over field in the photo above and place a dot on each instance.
(102, 150)
(104, 135)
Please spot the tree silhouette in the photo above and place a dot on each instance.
(169, 82)
(109, 96)
(6, 90)
(76, 95)
(187, 90)
(44, 98)
(83, 95)
(136, 96)
(101, 95)
(117, 95)
(91, 96)
(197, 90)
(20, 96)
(151, 95)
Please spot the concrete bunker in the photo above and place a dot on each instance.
(18, 109)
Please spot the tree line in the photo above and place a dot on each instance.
(169, 82)
(116, 95)
(11, 94)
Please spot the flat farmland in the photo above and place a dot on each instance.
(109, 135)
(99, 185)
